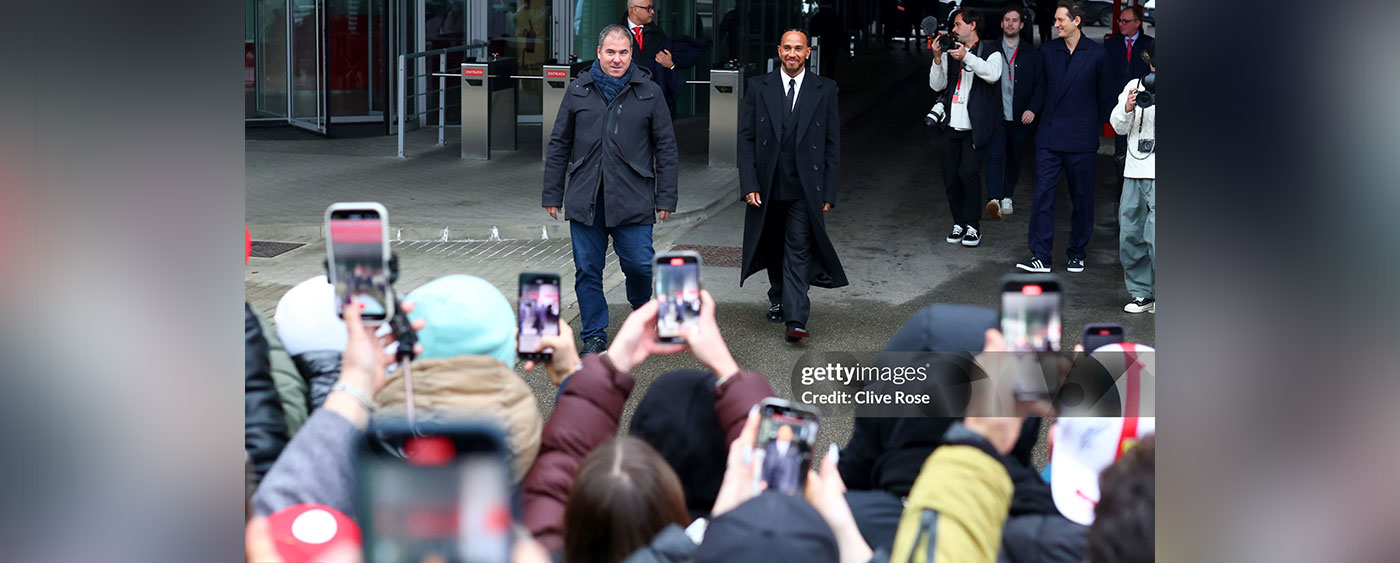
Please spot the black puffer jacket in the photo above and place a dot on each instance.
(264, 425)
(320, 369)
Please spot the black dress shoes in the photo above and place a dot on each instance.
(594, 345)
(775, 314)
(796, 333)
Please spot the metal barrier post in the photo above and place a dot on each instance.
(476, 112)
(503, 104)
(556, 84)
(403, 104)
(442, 99)
(725, 103)
(488, 107)
(814, 63)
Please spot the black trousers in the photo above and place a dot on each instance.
(1009, 144)
(789, 247)
(962, 176)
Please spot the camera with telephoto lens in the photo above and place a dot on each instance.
(936, 117)
(1147, 94)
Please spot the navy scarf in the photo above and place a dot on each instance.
(609, 86)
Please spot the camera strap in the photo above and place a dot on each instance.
(1141, 115)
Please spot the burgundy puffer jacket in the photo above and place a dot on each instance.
(586, 415)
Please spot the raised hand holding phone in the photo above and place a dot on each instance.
(363, 364)
(637, 339)
(741, 469)
(564, 361)
(705, 342)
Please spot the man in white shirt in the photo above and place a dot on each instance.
(974, 111)
(1137, 208)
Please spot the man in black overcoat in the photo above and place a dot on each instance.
(789, 173)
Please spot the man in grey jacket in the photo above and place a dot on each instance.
(614, 144)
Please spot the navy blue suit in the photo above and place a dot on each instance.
(1078, 97)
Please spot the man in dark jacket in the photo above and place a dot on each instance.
(1123, 56)
(1078, 97)
(264, 428)
(1020, 89)
(614, 143)
(789, 173)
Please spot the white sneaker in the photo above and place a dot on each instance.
(956, 236)
(1006, 206)
(1141, 305)
(972, 238)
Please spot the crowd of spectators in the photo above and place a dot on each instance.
(679, 483)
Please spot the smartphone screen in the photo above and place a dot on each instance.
(785, 436)
(678, 291)
(1030, 313)
(358, 250)
(1102, 334)
(430, 496)
(539, 314)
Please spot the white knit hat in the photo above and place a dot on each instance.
(306, 319)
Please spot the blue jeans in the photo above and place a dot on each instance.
(634, 253)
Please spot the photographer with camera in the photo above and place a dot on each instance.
(973, 110)
(1136, 117)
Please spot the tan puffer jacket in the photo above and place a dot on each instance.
(472, 387)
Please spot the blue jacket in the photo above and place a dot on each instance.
(1078, 96)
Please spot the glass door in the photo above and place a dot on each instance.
(307, 60)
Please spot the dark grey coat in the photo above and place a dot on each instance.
(627, 146)
(818, 166)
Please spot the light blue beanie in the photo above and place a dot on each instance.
(467, 316)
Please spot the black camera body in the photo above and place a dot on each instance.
(947, 43)
(1147, 96)
(1146, 146)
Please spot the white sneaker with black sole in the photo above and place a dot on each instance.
(1141, 305)
(972, 237)
(956, 236)
(1034, 265)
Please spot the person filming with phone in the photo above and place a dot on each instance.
(614, 145)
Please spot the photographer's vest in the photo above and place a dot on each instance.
(984, 99)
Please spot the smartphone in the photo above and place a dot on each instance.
(1030, 312)
(434, 492)
(358, 258)
(677, 276)
(786, 434)
(539, 314)
(1101, 334)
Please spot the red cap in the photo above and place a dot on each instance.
(306, 532)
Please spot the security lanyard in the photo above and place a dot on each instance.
(1011, 64)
